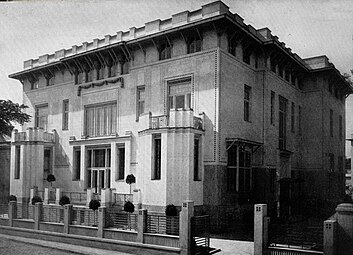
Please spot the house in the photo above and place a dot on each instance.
(200, 106)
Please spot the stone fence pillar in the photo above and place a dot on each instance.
(106, 197)
(187, 212)
(33, 192)
(38, 209)
(101, 220)
(261, 222)
(141, 225)
(330, 227)
(12, 212)
(46, 196)
(89, 196)
(57, 195)
(68, 211)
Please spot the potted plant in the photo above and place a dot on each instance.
(130, 179)
(129, 208)
(51, 179)
(64, 200)
(36, 199)
(172, 220)
(12, 198)
(94, 205)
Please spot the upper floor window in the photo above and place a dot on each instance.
(100, 120)
(283, 102)
(340, 130)
(100, 72)
(17, 162)
(78, 77)
(179, 95)
(76, 175)
(246, 55)
(34, 83)
(197, 176)
(140, 100)
(47, 164)
(124, 66)
(65, 116)
(273, 99)
(232, 45)
(247, 102)
(331, 122)
(41, 116)
(50, 79)
(156, 156)
(165, 51)
(88, 75)
(299, 119)
(195, 44)
(292, 117)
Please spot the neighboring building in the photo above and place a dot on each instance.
(198, 107)
(5, 155)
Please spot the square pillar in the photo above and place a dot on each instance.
(12, 212)
(106, 197)
(38, 209)
(329, 237)
(260, 228)
(141, 225)
(33, 192)
(67, 218)
(46, 196)
(57, 195)
(89, 196)
(187, 212)
(101, 221)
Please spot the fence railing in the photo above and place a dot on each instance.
(121, 220)
(120, 199)
(4, 210)
(52, 213)
(161, 224)
(84, 216)
(76, 197)
(291, 251)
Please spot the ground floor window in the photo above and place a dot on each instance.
(98, 168)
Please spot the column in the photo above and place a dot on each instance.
(101, 221)
(106, 197)
(260, 228)
(329, 237)
(186, 214)
(141, 225)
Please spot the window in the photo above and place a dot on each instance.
(272, 117)
(332, 162)
(246, 55)
(100, 72)
(197, 159)
(65, 117)
(232, 46)
(50, 79)
(239, 176)
(100, 120)
(286, 75)
(121, 163)
(247, 102)
(98, 168)
(77, 164)
(41, 116)
(88, 75)
(180, 94)
(140, 101)
(340, 131)
(112, 70)
(331, 122)
(300, 120)
(195, 44)
(273, 65)
(34, 83)
(293, 117)
(124, 66)
(282, 122)
(165, 51)
(78, 77)
(47, 160)
(17, 162)
(157, 150)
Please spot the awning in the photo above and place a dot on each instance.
(240, 141)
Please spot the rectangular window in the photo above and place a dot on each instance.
(300, 120)
(140, 101)
(331, 122)
(65, 117)
(332, 162)
(47, 160)
(41, 116)
(179, 95)
(282, 123)
(293, 117)
(100, 120)
(246, 55)
(197, 159)
(77, 164)
(273, 99)
(121, 163)
(98, 168)
(247, 102)
(157, 154)
(17, 162)
(340, 131)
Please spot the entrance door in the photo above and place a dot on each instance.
(98, 167)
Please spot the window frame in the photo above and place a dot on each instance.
(165, 51)
(121, 166)
(17, 173)
(172, 97)
(282, 122)
(197, 158)
(38, 117)
(156, 157)
(247, 103)
(139, 101)
(76, 173)
(194, 44)
(65, 114)
(272, 108)
(293, 117)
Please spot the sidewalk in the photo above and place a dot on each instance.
(231, 247)
(64, 247)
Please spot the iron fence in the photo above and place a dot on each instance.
(118, 219)
(76, 197)
(162, 224)
(4, 210)
(120, 199)
(52, 213)
(84, 216)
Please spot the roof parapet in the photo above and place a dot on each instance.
(265, 33)
(214, 9)
(317, 62)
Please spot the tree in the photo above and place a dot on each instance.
(51, 178)
(130, 179)
(11, 112)
(348, 77)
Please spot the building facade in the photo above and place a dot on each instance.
(198, 107)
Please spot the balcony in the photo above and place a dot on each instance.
(183, 118)
(33, 135)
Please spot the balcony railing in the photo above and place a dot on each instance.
(177, 118)
(33, 134)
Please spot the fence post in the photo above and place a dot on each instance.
(57, 195)
(141, 225)
(101, 220)
(67, 218)
(329, 237)
(46, 196)
(106, 197)
(187, 212)
(89, 196)
(260, 229)
(12, 212)
(33, 192)
(38, 208)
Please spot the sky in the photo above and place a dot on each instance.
(29, 29)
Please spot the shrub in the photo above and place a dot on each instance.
(12, 198)
(64, 200)
(129, 207)
(171, 210)
(36, 199)
(130, 179)
(94, 204)
(51, 178)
